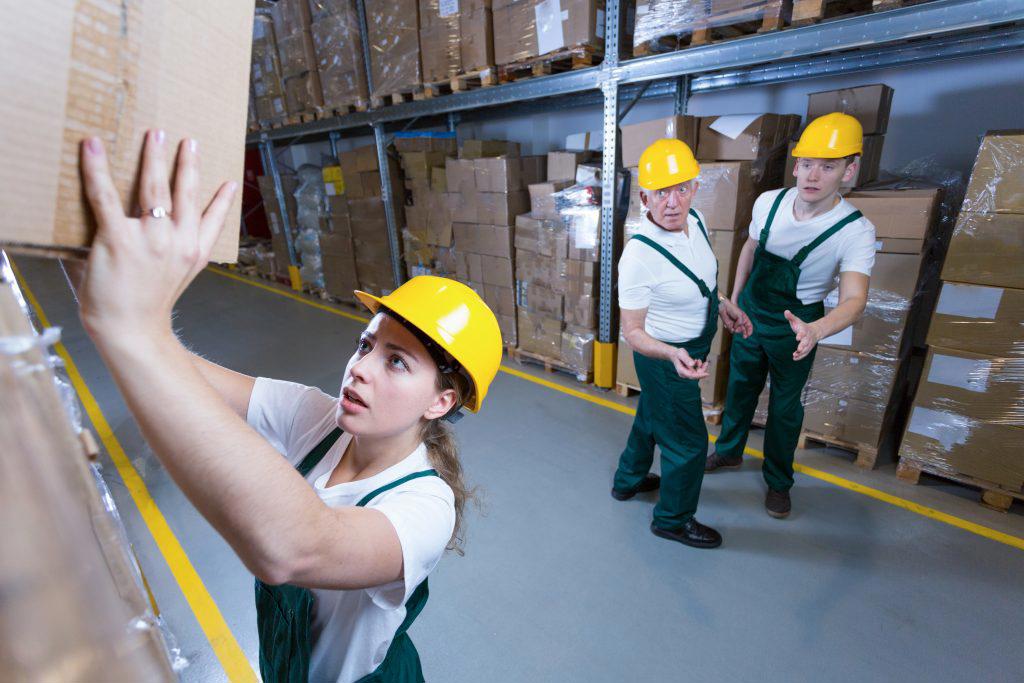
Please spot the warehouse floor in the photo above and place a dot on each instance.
(562, 583)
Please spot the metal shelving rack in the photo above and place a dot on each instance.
(940, 30)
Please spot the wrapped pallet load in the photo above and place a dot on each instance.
(526, 30)
(666, 25)
(393, 32)
(339, 54)
(266, 78)
(292, 28)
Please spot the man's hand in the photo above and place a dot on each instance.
(687, 367)
(734, 319)
(807, 335)
(138, 267)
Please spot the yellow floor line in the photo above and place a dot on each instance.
(924, 510)
(210, 619)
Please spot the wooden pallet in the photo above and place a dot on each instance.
(806, 12)
(395, 98)
(738, 23)
(472, 80)
(434, 89)
(344, 109)
(883, 5)
(626, 390)
(713, 413)
(867, 455)
(549, 364)
(560, 61)
(993, 496)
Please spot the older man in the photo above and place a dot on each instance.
(670, 304)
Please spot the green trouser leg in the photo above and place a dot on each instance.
(748, 368)
(670, 415)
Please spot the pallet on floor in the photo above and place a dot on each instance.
(867, 455)
(560, 61)
(713, 413)
(549, 364)
(737, 23)
(399, 97)
(993, 496)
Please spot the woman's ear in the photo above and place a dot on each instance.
(442, 405)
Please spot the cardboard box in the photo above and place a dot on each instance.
(543, 236)
(900, 214)
(845, 419)
(539, 335)
(507, 325)
(418, 165)
(438, 179)
(534, 170)
(987, 249)
(712, 387)
(578, 349)
(562, 165)
(869, 104)
(977, 318)
(370, 209)
(498, 208)
(475, 149)
(997, 181)
(491, 240)
(726, 246)
(339, 53)
(625, 367)
(761, 136)
(726, 194)
(636, 137)
(542, 200)
(860, 376)
(460, 175)
(959, 444)
(476, 39)
(496, 271)
(581, 310)
(291, 16)
(530, 28)
(498, 174)
(80, 69)
(540, 300)
(366, 158)
(584, 225)
(297, 54)
(439, 51)
(393, 33)
(974, 385)
(462, 206)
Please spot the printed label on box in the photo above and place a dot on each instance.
(969, 301)
(840, 338)
(946, 428)
(965, 373)
(548, 15)
(599, 31)
(449, 8)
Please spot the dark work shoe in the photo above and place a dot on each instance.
(777, 504)
(717, 462)
(693, 534)
(650, 483)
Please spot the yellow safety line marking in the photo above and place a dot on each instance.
(924, 510)
(210, 619)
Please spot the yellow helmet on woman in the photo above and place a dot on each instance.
(451, 316)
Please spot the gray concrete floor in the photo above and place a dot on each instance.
(562, 583)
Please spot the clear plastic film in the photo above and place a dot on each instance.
(266, 77)
(661, 23)
(634, 217)
(997, 180)
(526, 29)
(579, 208)
(987, 249)
(979, 318)
(986, 388)
(440, 52)
(339, 53)
(540, 335)
(393, 29)
(578, 351)
(309, 202)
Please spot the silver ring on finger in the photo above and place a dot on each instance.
(157, 212)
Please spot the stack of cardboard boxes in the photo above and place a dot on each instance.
(394, 35)
(267, 90)
(525, 29)
(664, 25)
(339, 53)
(556, 270)
(292, 28)
(455, 38)
(967, 418)
(275, 221)
(337, 249)
(427, 238)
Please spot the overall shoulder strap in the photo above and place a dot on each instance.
(675, 262)
(700, 224)
(398, 482)
(771, 217)
(820, 239)
(314, 457)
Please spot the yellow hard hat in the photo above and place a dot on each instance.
(665, 163)
(455, 318)
(832, 136)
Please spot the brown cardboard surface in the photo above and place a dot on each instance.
(438, 179)
(726, 245)
(860, 376)
(987, 249)
(625, 367)
(636, 137)
(578, 348)
(499, 208)
(393, 34)
(496, 271)
(981, 387)
(544, 236)
(366, 158)
(490, 240)
(712, 387)
(475, 149)
(978, 318)
(366, 209)
(846, 419)
(542, 201)
(460, 175)
(997, 181)
(869, 104)
(476, 44)
(534, 169)
(540, 300)
(498, 174)
(898, 246)
(515, 27)
(901, 214)
(539, 335)
(764, 134)
(60, 89)
(463, 206)
(726, 194)
(581, 310)
(562, 165)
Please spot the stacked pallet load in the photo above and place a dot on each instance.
(337, 248)
(667, 25)
(556, 270)
(427, 245)
(967, 419)
(486, 191)
(456, 45)
(339, 54)
(538, 37)
(393, 31)
(275, 220)
(303, 94)
(267, 83)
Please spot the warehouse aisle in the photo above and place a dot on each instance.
(562, 583)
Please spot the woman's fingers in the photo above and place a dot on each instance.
(99, 187)
(154, 189)
(186, 182)
(216, 212)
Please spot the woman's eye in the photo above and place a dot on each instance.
(363, 346)
(398, 363)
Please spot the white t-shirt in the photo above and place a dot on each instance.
(850, 249)
(352, 629)
(676, 310)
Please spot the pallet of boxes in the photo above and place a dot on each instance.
(303, 94)
(540, 37)
(740, 157)
(427, 244)
(278, 268)
(393, 32)
(967, 419)
(338, 46)
(667, 25)
(266, 80)
(456, 46)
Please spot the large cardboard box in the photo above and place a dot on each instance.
(491, 240)
(455, 37)
(744, 137)
(530, 28)
(460, 175)
(476, 39)
(498, 174)
(977, 318)
(462, 206)
(636, 137)
(898, 214)
(539, 335)
(997, 181)
(544, 236)
(726, 194)
(73, 69)
(562, 165)
(845, 419)
(869, 104)
(499, 208)
(393, 33)
(578, 349)
(339, 53)
(542, 199)
(726, 246)
(987, 249)
(540, 300)
(861, 376)
(475, 149)
(712, 387)
(971, 384)
(625, 367)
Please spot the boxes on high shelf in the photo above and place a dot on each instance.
(266, 77)
(425, 142)
(455, 37)
(475, 149)
(869, 104)
(867, 170)
(292, 27)
(743, 137)
(979, 318)
(636, 137)
(524, 29)
(393, 34)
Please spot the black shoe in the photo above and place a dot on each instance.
(650, 483)
(777, 504)
(717, 462)
(693, 533)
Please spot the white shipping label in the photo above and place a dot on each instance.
(946, 428)
(832, 299)
(969, 301)
(549, 26)
(599, 30)
(329, 189)
(840, 338)
(966, 373)
(449, 8)
(733, 126)
(642, 10)
(878, 245)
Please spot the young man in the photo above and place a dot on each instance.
(799, 239)
(669, 309)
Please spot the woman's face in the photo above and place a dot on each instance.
(390, 383)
